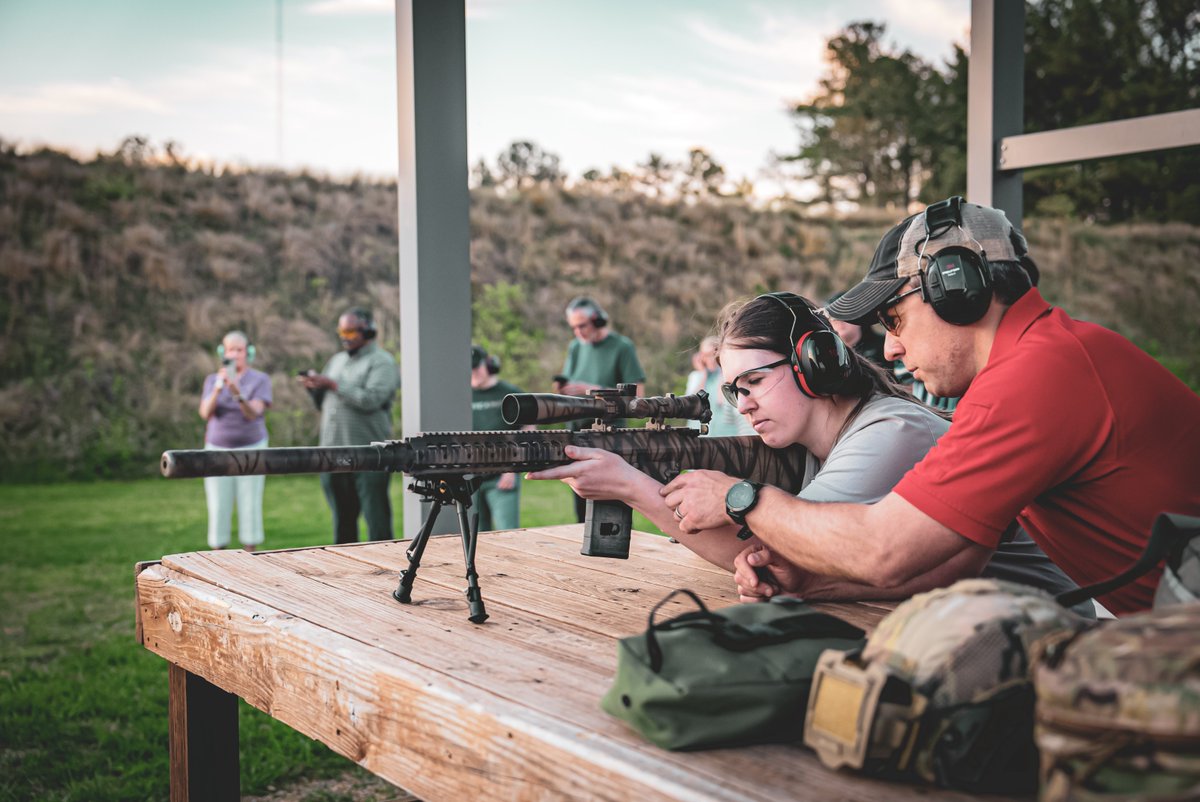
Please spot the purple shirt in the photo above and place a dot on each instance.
(228, 427)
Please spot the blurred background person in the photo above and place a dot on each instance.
(598, 357)
(498, 498)
(726, 420)
(354, 392)
(234, 402)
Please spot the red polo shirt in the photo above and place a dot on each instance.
(1075, 432)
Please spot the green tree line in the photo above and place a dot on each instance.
(119, 276)
(887, 127)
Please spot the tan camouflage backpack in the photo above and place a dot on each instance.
(941, 692)
(1118, 710)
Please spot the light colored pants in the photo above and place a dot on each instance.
(221, 491)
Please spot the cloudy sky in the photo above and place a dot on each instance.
(599, 82)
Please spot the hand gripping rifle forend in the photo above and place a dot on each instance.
(521, 409)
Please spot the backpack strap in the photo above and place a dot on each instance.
(1170, 533)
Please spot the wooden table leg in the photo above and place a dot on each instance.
(204, 740)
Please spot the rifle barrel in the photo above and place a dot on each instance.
(189, 464)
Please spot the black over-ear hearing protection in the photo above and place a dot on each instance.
(368, 322)
(599, 317)
(822, 365)
(957, 280)
(479, 354)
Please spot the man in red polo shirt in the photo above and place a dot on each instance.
(1063, 425)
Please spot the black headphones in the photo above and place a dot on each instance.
(598, 316)
(957, 280)
(478, 354)
(367, 321)
(822, 365)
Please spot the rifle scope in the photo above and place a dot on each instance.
(520, 409)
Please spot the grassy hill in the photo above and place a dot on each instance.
(118, 277)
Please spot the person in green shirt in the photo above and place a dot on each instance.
(498, 499)
(598, 357)
(354, 393)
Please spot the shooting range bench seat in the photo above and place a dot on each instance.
(448, 709)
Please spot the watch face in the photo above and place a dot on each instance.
(740, 496)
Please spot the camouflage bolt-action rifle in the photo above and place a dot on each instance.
(448, 466)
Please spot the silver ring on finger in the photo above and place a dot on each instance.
(678, 514)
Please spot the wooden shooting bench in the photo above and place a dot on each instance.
(448, 709)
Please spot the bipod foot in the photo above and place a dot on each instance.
(475, 605)
(403, 593)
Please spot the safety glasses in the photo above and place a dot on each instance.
(888, 320)
(731, 391)
(348, 334)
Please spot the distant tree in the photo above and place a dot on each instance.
(502, 325)
(941, 131)
(858, 135)
(482, 175)
(655, 173)
(525, 164)
(1092, 62)
(134, 150)
(701, 174)
(887, 127)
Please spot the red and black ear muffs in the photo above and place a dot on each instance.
(957, 280)
(821, 363)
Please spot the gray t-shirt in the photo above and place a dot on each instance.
(887, 438)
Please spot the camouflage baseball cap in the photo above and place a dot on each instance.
(898, 257)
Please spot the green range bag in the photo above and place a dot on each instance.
(727, 677)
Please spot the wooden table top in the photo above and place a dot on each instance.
(448, 709)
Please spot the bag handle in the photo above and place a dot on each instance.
(1169, 533)
(736, 637)
(653, 650)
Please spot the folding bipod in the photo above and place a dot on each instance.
(443, 492)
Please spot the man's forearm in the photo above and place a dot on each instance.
(961, 566)
(887, 545)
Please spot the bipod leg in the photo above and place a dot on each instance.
(403, 592)
(470, 535)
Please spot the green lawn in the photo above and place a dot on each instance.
(83, 707)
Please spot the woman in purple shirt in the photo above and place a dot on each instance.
(234, 401)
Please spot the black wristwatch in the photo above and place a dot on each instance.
(740, 499)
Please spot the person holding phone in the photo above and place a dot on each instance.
(354, 394)
(233, 404)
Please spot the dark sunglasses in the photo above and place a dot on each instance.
(731, 391)
(884, 313)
